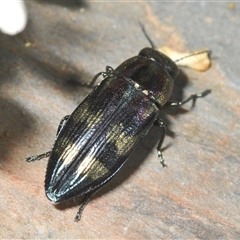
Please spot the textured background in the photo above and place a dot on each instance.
(197, 196)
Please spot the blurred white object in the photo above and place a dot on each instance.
(13, 16)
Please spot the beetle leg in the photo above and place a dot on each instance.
(83, 204)
(191, 98)
(109, 72)
(47, 154)
(38, 157)
(163, 132)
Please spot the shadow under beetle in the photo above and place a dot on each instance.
(94, 142)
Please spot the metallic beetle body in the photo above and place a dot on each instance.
(98, 137)
(94, 142)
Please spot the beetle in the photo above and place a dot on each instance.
(94, 142)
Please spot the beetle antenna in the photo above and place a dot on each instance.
(193, 54)
(146, 35)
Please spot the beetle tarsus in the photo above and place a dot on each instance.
(163, 133)
(193, 98)
(161, 159)
(38, 157)
(47, 154)
(83, 204)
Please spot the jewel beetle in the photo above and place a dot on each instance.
(94, 142)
